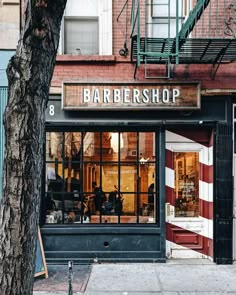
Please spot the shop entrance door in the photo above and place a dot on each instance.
(188, 200)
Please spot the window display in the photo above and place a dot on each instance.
(101, 177)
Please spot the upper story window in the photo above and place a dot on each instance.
(81, 36)
(87, 28)
(164, 15)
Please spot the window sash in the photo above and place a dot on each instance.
(81, 36)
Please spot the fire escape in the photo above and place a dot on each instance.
(182, 32)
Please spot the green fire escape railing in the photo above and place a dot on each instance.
(194, 16)
(174, 46)
(206, 36)
(135, 33)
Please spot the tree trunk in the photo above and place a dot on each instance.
(29, 74)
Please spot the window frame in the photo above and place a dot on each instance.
(80, 18)
(104, 13)
(156, 20)
(120, 163)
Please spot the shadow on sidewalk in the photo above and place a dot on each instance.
(58, 279)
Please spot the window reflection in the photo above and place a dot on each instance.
(147, 146)
(186, 166)
(91, 144)
(129, 150)
(54, 146)
(101, 177)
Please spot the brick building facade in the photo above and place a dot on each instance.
(139, 135)
(186, 219)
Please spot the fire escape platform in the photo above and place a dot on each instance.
(190, 51)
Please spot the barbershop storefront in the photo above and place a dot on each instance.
(132, 173)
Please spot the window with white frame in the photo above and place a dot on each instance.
(81, 36)
(165, 15)
(87, 28)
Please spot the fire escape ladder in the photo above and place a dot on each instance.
(194, 15)
(148, 50)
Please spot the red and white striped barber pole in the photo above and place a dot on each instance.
(189, 235)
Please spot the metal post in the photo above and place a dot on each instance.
(161, 149)
(132, 15)
(177, 33)
(70, 277)
(138, 34)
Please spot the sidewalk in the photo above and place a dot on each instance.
(185, 277)
(57, 282)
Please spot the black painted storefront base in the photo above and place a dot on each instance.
(91, 244)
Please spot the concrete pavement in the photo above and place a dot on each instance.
(176, 277)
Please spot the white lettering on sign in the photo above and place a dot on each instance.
(136, 95)
(130, 96)
(116, 95)
(166, 96)
(145, 96)
(51, 110)
(126, 95)
(86, 95)
(106, 95)
(176, 93)
(96, 97)
(155, 95)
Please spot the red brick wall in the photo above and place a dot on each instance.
(119, 27)
(212, 22)
(117, 68)
(124, 71)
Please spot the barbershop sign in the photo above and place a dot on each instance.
(127, 96)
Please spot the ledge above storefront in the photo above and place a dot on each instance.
(85, 58)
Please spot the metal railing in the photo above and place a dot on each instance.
(191, 29)
(145, 51)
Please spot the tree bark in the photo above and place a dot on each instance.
(29, 75)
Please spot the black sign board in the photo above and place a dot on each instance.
(40, 264)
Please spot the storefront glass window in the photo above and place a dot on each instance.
(101, 177)
(186, 166)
